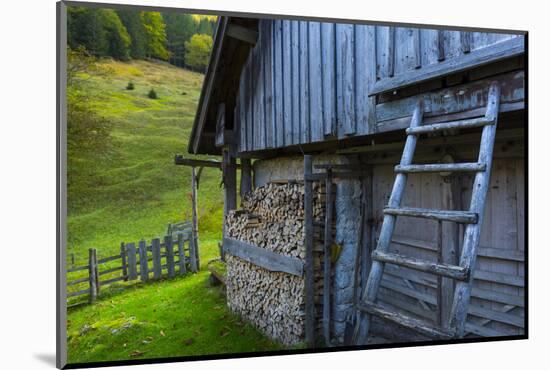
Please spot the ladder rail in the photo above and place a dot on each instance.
(472, 233)
(377, 269)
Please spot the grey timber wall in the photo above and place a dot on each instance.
(307, 82)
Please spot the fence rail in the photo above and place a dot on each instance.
(175, 255)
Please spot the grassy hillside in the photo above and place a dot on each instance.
(138, 190)
(133, 195)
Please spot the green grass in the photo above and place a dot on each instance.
(136, 193)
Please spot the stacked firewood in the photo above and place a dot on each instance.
(272, 217)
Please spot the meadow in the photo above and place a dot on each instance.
(134, 194)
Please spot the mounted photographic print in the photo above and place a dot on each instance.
(235, 185)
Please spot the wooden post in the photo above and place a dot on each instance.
(132, 264)
(92, 273)
(246, 176)
(440, 45)
(123, 261)
(193, 256)
(326, 259)
(230, 184)
(309, 269)
(157, 267)
(169, 255)
(195, 228)
(181, 255)
(143, 263)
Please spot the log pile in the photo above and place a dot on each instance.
(272, 217)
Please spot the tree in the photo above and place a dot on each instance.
(179, 29)
(132, 21)
(100, 31)
(155, 35)
(117, 38)
(197, 51)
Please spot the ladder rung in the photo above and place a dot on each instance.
(443, 167)
(435, 127)
(417, 325)
(454, 216)
(442, 269)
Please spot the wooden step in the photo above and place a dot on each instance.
(436, 127)
(442, 269)
(443, 167)
(463, 217)
(417, 325)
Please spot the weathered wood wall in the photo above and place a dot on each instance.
(307, 82)
(497, 306)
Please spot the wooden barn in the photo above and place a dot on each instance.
(382, 173)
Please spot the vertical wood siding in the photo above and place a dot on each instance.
(307, 82)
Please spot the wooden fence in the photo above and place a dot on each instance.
(175, 255)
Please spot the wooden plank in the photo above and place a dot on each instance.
(409, 292)
(362, 67)
(295, 71)
(304, 84)
(443, 167)
(466, 41)
(463, 124)
(262, 257)
(506, 318)
(390, 64)
(193, 255)
(124, 262)
(267, 67)
(452, 271)
(345, 59)
(440, 215)
(131, 255)
(414, 324)
(417, 45)
(78, 268)
(500, 278)
(181, 255)
(415, 243)
(440, 45)
(328, 78)
(278, 76)
(155, 250)
(308, 241)
(195, 264)
(476, 58)
(143, 261)
(108, 259)
(287, 82)
(326, 258)
(387, 297)
(246, 176)
(180, 160)
(315, 79)
(169, 246)
(482, 331)
(494, 296)
(108, 271)
(503, 254)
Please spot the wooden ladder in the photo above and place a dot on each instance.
(473, 219)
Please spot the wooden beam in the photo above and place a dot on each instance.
(194, 244)
(241, 33)
(246, 176)
(476, 58)
(262, 257)
(326, 260)
(180, 160)
(309, 268)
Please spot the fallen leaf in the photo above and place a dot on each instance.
(136, 353)
(189, 341)
(162, 333)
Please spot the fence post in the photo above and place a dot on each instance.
(131, 253)
(124, 264)
(195, 225)
(92, 273)
(169, 255)
(143, 263)
(193, 254)
(181, 254)
(157, 268)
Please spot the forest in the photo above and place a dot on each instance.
(184, 40)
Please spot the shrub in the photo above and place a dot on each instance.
(152, 94)
(130, 86)
(184, 93)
